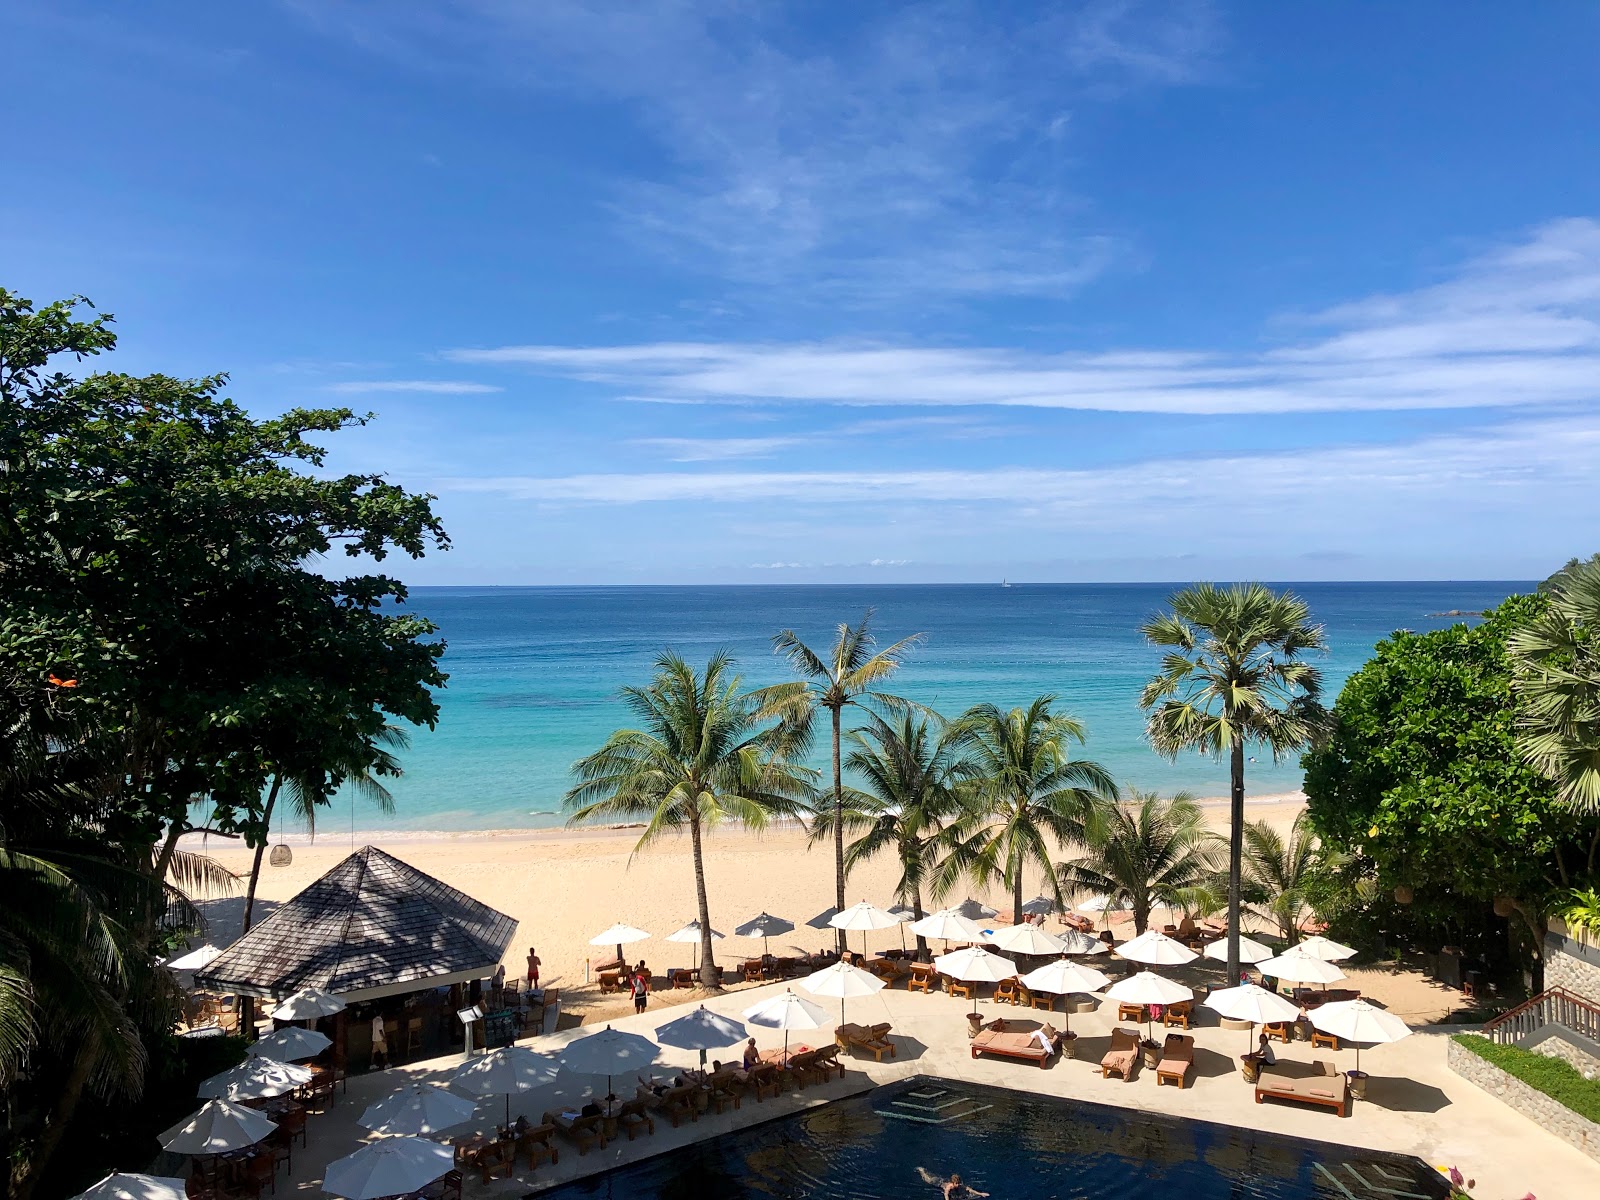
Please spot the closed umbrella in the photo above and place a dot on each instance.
(508, 1071)
(842, 980)
(395, 1166)
(1326, 949)
(125, 1186)
(864, 916)
(765, 926)
(1250, 951)
(1147, 988)
(975, 965)
(308, 1004)
(422, 1108)
(1027, 938)
(1300, 968)
(691, 933)
(217, 1127)
(1248, 1002)
(786, 1012)
(291, 1043)
(619, 935)
(1156, 949)
(609, 1052)
(1063, 977)
(255, 1079)
(701, 1030)
(1357, 1021)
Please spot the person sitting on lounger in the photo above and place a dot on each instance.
(752, 1056)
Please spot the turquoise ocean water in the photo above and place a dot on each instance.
(534, 672)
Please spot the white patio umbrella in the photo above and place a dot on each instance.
(948, 926)
(864, 916)
(394, 1166)
(508, 1071)
(619, 935)
(1250, 951)
(217, 1127)
(609, 1052)
(1249, 1002)
(1041, 906)
(307, 1004)
(1063, 977)
(1148, 988)
(1100, 904)
(975, 965)
(1326, 949)
(1357, 1021)
(690, 933)
(194, 960)
(1156, 949)
(255, 1079)
(842, 980)
(765, 926)
(976, 910)
(421, 1108)
(122, 1185)
(1296, 967)
(701, 1030)
(1075, 941)
(786, 1012)
(1026, 939)
(291, 1043)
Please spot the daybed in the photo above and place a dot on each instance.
(1325, 1085)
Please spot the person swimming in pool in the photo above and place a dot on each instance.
(954, 1188)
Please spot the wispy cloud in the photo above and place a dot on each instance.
(1519, 325)
(682, 449)
(443, 387)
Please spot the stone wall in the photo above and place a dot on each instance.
(1578, 1052)
(1572, 964)
(1551, 1115)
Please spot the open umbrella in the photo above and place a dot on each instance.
(948, 926)
(308, 1004)
(864, 916)
(824, 919)
(842, 980)
(1357, 1021)
(418, 1109)
(1041, 906)
(1296, 967)
(786, 1012)
(619, 935)
(608, 1052)
(1100, 904)
(701, 1030)
(508, 1071)
(691, 933)
(976, 910)
(1156, 949)
(217, 1127)
(1250, 951)
(395, 1166)
(1075, 941)
(194, 960)
(255, 1079)
(975, 965)
(291, 1043)
(1248, 1002)
(766, 926)
(1148, 988)
(1063, 977)
(1026, 938)
(125, 1186)
(1326, 949)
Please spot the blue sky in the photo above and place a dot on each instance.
(752, 292)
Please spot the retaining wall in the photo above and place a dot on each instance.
(1549, 1114)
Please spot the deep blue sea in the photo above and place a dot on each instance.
(534, 672)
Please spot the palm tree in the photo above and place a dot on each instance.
(1233, 675)
(1027, 793)
(911, 778)
(1146, 854)
(1277, 873)
(848, 676)
(702, 756)
(1556, 665)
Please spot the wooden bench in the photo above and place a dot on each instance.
(1325, 1087)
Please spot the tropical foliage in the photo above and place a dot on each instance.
(1555, 660)
(1281, 875)
(1146, 853)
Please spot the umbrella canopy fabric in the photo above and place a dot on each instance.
(307, 1004)
(843, 981)
(1041, 906)
(976, 910)
(691, 933)
(217, 1127)
(200, 956)
(903, 912)
(1027, 939)
(394, 1166)
(255, 1079)
(975, 965)
(824, 919)
(125, 1186)
(1358, 1021)
(701, 1030)
(419, 1109)
(609, 1052)
(1063, 977)
(864, 916)
(1250, 951)
(1326, 949)
(786, 1011)
(291, 1043)
(766, 925)
(1300, 968)
(1148, 988)
(1095, 904)
(1074, 941)
(1248, 1002)
(618, 935)
(1157, 949)
(507, 1071)
(948, 925)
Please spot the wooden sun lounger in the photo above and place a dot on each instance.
(1325, 1086)
(1020, 1045)
(858, 1037)
(1123, 1056)
(957, 987)
(586, 1133)
(1177, 1060)
(922, 978)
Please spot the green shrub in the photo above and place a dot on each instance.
(1557, 1079)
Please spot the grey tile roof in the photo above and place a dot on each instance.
(372, 921)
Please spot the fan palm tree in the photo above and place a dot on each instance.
(1277, 873)
(1556, 677)
(702, 756)
(1233, 675)
(849, 675)
(1026, 796)
(1147, 853)
(911, 776)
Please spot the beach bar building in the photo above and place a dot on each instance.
(388, 939)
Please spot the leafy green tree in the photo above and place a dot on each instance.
(1572, 565)
(1145, 853)
(1281, 874)
(911, 776)
(1026, 799)
(1233, 676)
(703, 755)
(849, 675)
(1556, 676)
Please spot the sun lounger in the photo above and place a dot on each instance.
(727, 1087)
(765, 1082)
(539, 1142)
(922, 978)
(1279, 1030)
(1130, 1012)
(1123, 1055)
(610, 981)
(803, 1069)
(1177, 1060)
(957, 987)
(857, 1037)
(1324, 1085)
(828, 1062)
(1005, 992)
(586, 1133)
(1177, 1014)
(1022, 1045)
(1074, 921)
(634, 1119)
(676, 1104)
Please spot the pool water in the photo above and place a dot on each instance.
(904, 1139)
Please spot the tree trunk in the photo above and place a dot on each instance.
(1016, 897)
(255, 867)
(1235, 856)
(1141, 921)
(708, 966)
(838, 829)
(916, 915)
(57, 1123)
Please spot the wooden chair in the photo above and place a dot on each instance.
(922, 978)
(282, 1143)
(957, 987)
(293, 1124)
(610, 982)
(1130, 1012)
(261, 1170)
(1005, 992)
(1042, 1000)
(753, 971)
(1177, 1014)
(1318, 1038)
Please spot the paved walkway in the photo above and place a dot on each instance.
(1415, 1104)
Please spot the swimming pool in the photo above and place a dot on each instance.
(892, 1141)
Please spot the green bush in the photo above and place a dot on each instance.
(1555, 1078)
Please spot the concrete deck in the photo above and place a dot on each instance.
(1415, 1104)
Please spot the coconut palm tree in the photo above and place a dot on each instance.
(1233, 676)
(1278, 871)
(911, 775)
(702, 756)
(1556, 677)
(849, 675)
(1026, 797)
(1146, 853)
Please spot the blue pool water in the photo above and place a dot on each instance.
(885, 1145)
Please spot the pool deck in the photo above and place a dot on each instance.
(1415, 1104)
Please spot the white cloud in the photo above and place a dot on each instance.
(1517, 326)
(446, 387)
(682, 449)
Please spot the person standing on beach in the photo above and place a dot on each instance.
(640, 986)
(533, 969)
